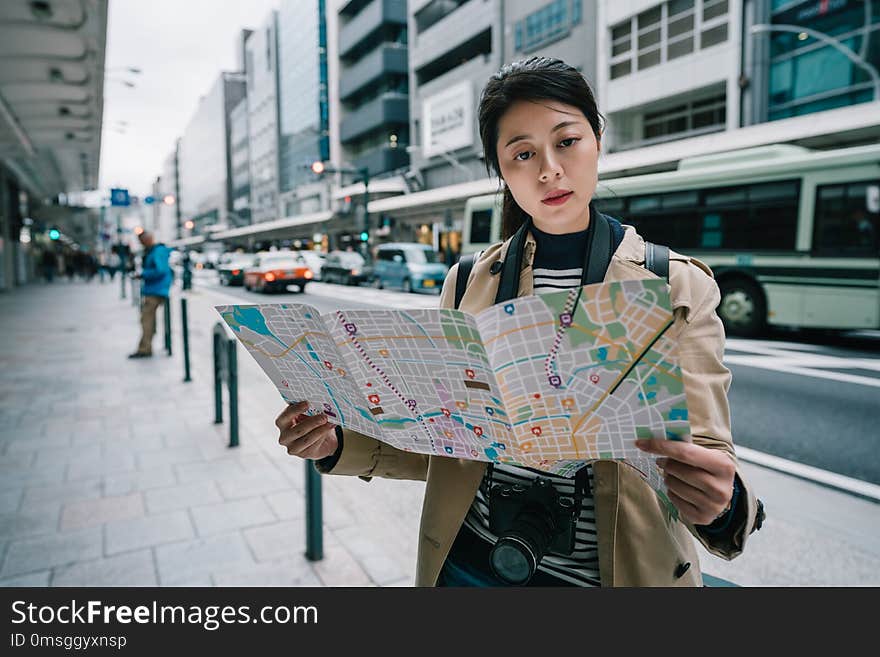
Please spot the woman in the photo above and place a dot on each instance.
(541, 132)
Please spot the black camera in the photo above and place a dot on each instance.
(529, 521)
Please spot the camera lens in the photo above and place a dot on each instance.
(512, 561)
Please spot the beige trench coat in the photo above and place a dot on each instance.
(639, 544)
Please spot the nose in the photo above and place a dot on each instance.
(550, 167)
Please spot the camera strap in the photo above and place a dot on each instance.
(581, 482)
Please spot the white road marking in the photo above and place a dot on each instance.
(801, 360)
(808, 472)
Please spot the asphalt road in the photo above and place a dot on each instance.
(810, 397)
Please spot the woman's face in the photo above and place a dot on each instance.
(545, 149)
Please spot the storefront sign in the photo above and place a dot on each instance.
(447, 120)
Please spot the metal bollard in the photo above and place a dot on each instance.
(314, 514)
(225, 368)
(232, 383)
(218, 377)
(185, 325)
(168, 325)
(122, 276)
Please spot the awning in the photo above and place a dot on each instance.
(265, 227)
(51, 93)
(195, 240)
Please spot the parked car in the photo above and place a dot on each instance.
(275, 270)
(409, 266)
(345, 267)
(232, 269)
(315, 261)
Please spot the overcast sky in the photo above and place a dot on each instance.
(181, 46)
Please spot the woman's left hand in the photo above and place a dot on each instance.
(699, 480)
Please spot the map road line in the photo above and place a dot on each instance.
(816, 475)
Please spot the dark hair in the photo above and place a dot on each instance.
(533, 79)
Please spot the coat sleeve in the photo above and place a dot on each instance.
(707, 381)
(366, 457)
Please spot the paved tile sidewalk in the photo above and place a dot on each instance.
(113, 473)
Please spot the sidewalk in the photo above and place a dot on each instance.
(113, 473)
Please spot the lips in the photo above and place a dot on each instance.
(557, 199)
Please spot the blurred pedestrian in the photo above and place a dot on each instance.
(49, 264)
(156, 275)
(114, 262)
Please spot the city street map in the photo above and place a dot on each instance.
(548, 381)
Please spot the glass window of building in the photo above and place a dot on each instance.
(550, 23)
(687, 119)
(808, 74)
(666, 32)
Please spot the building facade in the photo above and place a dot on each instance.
(670, 69)
(240, 165)
(303, 105)
(204, 155)
(261, 66)
(806, 56)
(374, 85)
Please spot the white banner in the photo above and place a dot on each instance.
(448, 119)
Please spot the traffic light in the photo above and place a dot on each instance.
(54, 234)
(318, 167)
(364, 236)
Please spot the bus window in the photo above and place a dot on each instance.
(689, 199)
(846, 221)
(481, 227)
(613, 205)
(639, 204)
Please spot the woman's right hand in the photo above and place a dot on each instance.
(306, 436)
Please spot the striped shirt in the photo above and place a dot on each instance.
(558, 265)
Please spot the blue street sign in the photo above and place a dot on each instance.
(119, 197)
(149, 200)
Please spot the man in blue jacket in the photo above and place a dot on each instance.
(156, 274)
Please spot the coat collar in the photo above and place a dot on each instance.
(630, 252)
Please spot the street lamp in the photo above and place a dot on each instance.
(319, 168)
(824, 38)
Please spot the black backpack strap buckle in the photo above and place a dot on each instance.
(657, 259)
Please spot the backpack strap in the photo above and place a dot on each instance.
(465, 265)
(657, 259)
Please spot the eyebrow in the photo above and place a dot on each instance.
(558, 126)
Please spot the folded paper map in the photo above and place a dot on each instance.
(548, 381)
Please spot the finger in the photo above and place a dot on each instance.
(284, 420)
(300, 429)
(688, 511)
(689, 493)
(693, 476)
(304, 444)
(690, 453)
(716, 486)
(321, 449)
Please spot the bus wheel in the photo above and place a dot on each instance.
(743, 308)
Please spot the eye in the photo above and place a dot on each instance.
(571, 139)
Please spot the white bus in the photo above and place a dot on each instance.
(791, 233)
